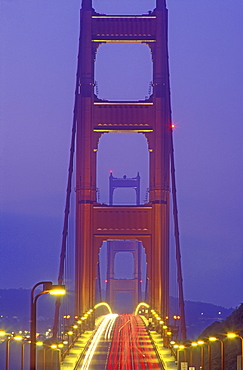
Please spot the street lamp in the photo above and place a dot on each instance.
(181, 348)
(10, 336)
(213, 339)
(192, 346)
(24, 341)
(48, 288)
(210, 339)
(234, 335)
(13, 336)
(201, 343)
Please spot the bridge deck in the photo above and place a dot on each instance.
(164, 353)
(122, 343)
(76, 351)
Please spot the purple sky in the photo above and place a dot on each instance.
(38, 66)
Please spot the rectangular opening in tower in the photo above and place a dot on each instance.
(123, 269)
(124, 6)
(125, 154)
(123, 72)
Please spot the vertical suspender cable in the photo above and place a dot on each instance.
(99, 283)
(67, 204)
(177, 241)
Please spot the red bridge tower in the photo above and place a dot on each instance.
(147, 223)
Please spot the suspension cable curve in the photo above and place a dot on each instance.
(67, 203)
(177, 241)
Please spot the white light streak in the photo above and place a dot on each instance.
(108, 319)
(109, 328)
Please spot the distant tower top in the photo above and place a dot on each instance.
(86, 4)
(124, 182)
(160, 4)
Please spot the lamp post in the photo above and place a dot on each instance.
(192, 346)
(180, 349)
(3, 334)
(201, 343)
(209, 357)
(234, 335)
(222, 352)
(210, 339)
(213, 339)
(24, 341)
(48, 288)
(16, 337)
(9, 338)
(7, 352)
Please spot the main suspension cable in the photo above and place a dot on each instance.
(68, 201)
(177, 241)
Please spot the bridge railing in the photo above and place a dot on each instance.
(168, 331)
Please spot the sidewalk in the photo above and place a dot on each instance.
(75, 352)
(165, 355)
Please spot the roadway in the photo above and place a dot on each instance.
(131, 347)
(121, 343)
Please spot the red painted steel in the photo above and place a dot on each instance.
(96, 223)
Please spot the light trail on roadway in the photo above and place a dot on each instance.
(105, 326)
(131, 347)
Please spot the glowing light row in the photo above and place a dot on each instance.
(89, 355)
(205, 341)
(117, 130)
(123, 17)
(127, 41)
(121, 103)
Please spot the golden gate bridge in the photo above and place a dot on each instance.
(123, 226)
(90, 335)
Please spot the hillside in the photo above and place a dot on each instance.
(232, 346)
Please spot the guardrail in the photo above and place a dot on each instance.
(161, 362)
